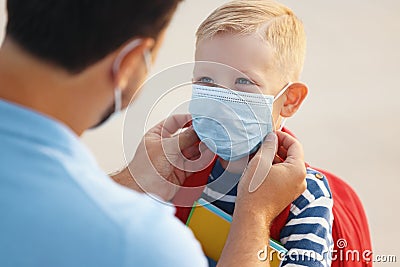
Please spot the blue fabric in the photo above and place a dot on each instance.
(225, 183)
(211, 262)
(59, 209)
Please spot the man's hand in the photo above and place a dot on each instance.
(276, 186)
(166, 155)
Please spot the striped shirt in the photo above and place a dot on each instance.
(307, 234)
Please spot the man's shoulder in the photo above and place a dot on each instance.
(147, 231)
(152, 235)
(92, 217)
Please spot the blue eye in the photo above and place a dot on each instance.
(244, 81)
(206, 80)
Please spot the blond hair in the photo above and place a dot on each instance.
(274, 22)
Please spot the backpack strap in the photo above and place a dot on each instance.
(278, 224)
(350, 222)
(350, 228)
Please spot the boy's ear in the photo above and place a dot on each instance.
(295, 95)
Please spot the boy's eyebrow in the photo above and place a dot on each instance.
(251, 75)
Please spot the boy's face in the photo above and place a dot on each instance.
(252, 66)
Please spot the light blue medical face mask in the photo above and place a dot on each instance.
(232, 124)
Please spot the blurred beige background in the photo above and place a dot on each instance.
(349, 124)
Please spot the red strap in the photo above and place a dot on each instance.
(278, 224)
(350, 223)
(191, 190)
(350, 228)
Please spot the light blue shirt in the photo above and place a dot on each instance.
(58, 208)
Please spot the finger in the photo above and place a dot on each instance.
(173, 123)
(197, 151)
(180, 161)
(269, 146)
(192, 151)
(285, 140)
(282, 152)
(268, 151)
(187, 138)
(200, 163)
(292, 146)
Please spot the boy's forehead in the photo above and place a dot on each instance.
(246, 53)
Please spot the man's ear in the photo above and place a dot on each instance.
(295, 95)
(129, 61)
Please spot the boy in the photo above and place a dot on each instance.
(263, 43)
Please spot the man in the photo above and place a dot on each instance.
(66, 66)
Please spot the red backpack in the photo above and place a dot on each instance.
(350, 231)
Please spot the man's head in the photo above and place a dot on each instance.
(264, 41)
(74, 34)
(84, 38)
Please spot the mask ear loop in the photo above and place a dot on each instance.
(128, 48)
(279, 95)
(283, 90)
(147, 60)
(117, 63)
(283, 122)
(117, 99)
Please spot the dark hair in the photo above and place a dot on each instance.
(74, 34)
